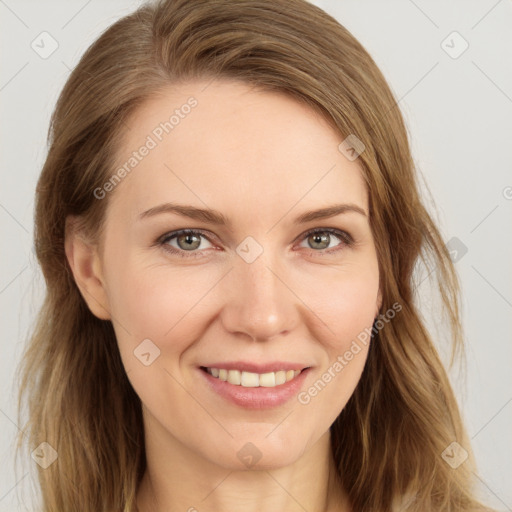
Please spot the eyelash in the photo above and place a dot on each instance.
(346, 241)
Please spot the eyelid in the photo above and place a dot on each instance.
(171, 235)
(340, 233)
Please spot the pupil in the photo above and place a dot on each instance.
(189, 239)
(318, 239)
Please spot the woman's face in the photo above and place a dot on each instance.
(255, 294)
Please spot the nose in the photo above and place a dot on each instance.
(258, 302)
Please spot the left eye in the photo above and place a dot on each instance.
(320, 239)
(188, 241)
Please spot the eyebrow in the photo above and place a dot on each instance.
(215, 217)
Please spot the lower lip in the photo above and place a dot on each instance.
(256, 398)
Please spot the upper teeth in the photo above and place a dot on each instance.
(253, 380)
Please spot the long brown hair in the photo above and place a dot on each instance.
(389, 439)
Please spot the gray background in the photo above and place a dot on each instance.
(458, 109)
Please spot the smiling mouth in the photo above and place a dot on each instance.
(253, 380)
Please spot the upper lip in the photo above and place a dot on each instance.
(245, 366)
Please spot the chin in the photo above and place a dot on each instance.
(257, 454)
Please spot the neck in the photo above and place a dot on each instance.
(178, 479)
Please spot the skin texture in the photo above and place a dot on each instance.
(261, 159)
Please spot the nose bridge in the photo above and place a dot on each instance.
(259, 303)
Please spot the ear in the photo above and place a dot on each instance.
(85, 263)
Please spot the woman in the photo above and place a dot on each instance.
(228, 222)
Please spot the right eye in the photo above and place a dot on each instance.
(187, 241)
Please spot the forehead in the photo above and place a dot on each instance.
(234, 148)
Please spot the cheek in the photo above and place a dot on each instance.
(347, 307)
(159, 303)
(343, 299)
